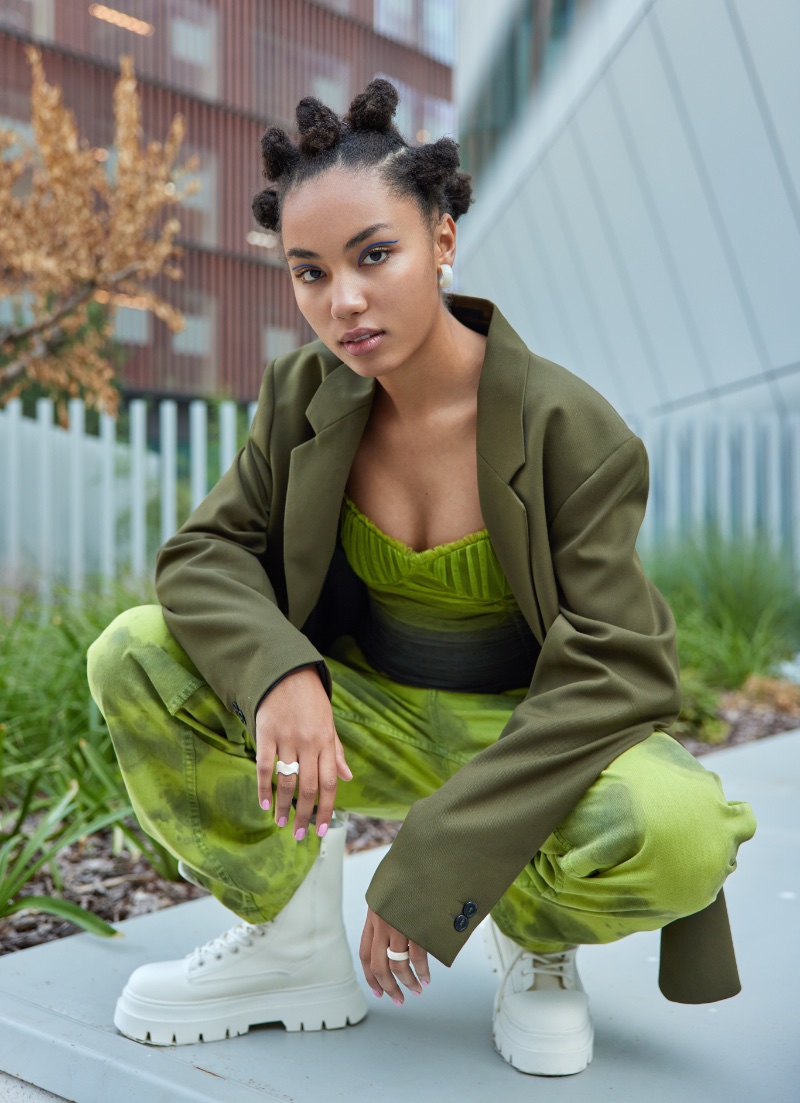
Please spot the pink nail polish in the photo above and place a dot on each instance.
(265, 805)
(300, 834)
(425, 983)
(399, 1003)
(416, 993)
(322, 830)
(377, 993)
(282, 821)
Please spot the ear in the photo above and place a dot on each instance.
(444, 240)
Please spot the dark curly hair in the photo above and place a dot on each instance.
(365, 138)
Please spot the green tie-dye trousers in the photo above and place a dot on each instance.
(652, 840)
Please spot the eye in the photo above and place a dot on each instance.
(380, 252)
(315, 273)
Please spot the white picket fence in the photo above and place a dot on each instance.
(78, 508)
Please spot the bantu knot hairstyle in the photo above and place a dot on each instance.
(366, 138)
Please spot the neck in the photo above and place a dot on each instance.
(444, 375)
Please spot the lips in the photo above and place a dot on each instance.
(353, 335)
(359, 342)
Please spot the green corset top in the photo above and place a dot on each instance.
(444, 617)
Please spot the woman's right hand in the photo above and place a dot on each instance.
(294, 723)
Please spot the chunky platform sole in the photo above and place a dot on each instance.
(161, 1023)
(536, 1055)
(573, 1053)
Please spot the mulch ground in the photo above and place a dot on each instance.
(119, 886)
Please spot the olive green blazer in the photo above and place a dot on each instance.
(255, 584)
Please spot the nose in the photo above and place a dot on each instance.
(347, 297)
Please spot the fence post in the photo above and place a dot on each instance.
(138, 423)
(108, 517)
(12, 419)
(76, 494)
(168, 449)
(44, 419)
(198, 450)
(227, 435)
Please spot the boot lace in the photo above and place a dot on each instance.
(527, 964)
(230, 941)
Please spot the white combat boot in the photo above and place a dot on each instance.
(296, 970)
(541, 1021)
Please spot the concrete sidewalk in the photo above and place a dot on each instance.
(57, 1000)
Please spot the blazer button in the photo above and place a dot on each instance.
(470, 909)
(461, 923)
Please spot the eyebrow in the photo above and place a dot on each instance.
(307, 254)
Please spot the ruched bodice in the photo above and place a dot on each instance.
(444, 617)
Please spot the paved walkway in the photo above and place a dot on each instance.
(56, 1003)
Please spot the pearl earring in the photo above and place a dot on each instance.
(445, 277)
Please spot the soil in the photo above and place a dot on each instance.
(120, 886)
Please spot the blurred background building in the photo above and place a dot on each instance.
(637, 166)
(231, 69)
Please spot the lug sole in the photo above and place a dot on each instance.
(545, 1062)
(326, 1007)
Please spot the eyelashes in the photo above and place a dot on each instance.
(380, 248)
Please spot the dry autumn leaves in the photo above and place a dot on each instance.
(76, 242)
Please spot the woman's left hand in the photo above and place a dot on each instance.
(383, 974)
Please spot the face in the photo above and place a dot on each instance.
(364, 265)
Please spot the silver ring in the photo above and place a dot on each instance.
(395, 955)
(288, 767)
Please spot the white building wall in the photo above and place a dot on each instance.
(641, 225)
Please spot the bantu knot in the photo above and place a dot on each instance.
(279, 154)
(458, 193)
(266, 210)
(374, 108)
(435, 163)
(320, 127)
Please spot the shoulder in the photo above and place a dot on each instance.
(297, 374)
(570, 430)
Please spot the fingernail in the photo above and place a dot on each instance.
(416, 993)
(300, 834)
(322, 830)
(424, 982)
(282, 821)
(377, 993)
(265, 805)
(399, 1003)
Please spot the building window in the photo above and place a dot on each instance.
(277, 341)
(195, 44)
(438, 30)
(132, 327)
(33, 17)
(195, 337)
(397, 19)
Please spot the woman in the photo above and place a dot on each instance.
(418, 578)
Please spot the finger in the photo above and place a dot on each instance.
(419, 963)
(265, 767)
(364, 952)
(284, 791)
(342, 769)
(379, 964)
(402, 970)
(306, 795)
(327, 781)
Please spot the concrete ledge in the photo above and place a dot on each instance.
(56, 1003)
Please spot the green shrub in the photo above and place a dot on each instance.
(736, 605)
(737, 609)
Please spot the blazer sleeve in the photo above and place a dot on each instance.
(607, 676)
(218, 601)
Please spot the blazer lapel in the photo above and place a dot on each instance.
(318, 471)
(501, 454)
